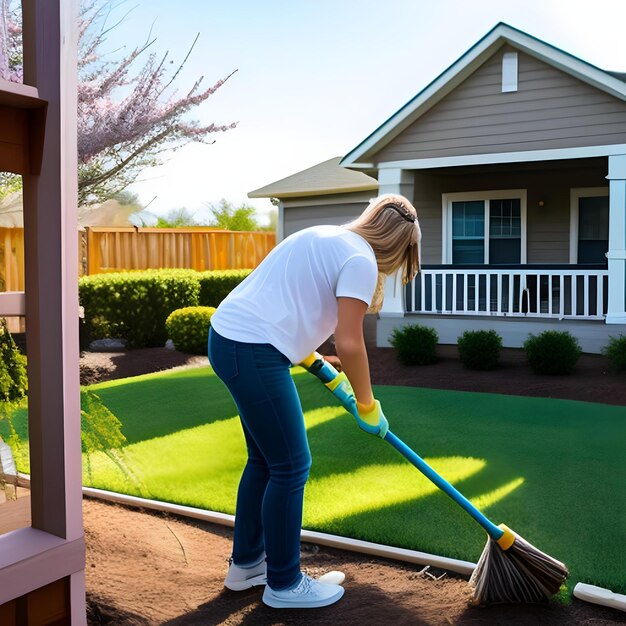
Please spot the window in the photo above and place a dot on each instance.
(589, 225)
(505, 231)
(484, 228)
(468, 232)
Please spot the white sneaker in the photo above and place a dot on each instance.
(241, 578)
(333, 577)
(309, 594)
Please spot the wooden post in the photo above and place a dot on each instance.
(51, 264)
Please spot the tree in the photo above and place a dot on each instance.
(9, 183)
(128, 112)
(273, 225)
(177, 218)
(229, 217)
(128, 198)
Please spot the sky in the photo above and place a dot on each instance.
(315, 77)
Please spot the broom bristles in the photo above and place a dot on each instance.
(520, 574)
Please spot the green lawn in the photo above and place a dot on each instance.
(552, 470)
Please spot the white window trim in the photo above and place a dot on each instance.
(575, 194)
(446, 214)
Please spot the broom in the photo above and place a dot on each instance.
(510, 569)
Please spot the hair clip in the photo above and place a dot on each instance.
(409, 217)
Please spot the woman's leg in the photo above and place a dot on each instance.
(248, 539)
(258, 377)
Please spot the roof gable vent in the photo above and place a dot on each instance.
(509, 71)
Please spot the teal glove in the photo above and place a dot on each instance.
(372, 421)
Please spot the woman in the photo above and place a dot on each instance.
(319, 281)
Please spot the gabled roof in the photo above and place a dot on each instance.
(502, 34)
(324, 178)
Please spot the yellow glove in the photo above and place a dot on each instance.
(371, 418)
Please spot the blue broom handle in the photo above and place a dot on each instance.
(317, 366)
(492, 530)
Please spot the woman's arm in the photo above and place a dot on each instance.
(350, 346)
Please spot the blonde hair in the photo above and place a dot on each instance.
(389, 224)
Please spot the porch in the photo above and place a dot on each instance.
(515, 301)
(543, 291)
(515, 247)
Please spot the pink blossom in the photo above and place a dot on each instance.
(127, 110)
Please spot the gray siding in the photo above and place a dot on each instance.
(548, 226)
(551, 109)
(335, 209)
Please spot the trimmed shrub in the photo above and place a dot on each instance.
(480, 349)
(188, 328)
(217, 284)
(415, 344)
(135, 305)
(13, 379)
(552, 352)
(615, 351)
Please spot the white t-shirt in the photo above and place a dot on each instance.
(290, 299)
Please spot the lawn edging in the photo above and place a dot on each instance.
(582, 591)
(332, 541)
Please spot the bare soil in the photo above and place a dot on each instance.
(145, 568)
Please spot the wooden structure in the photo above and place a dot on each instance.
(121, 249)
(42, 566)
(104, 249)
(11, 259)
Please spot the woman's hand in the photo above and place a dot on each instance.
(335, 361)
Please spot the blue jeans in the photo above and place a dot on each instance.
(269, 500)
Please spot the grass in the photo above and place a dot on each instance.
(552, 470)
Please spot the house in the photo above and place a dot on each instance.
(323, 194)
(515, 159)
(42, 578)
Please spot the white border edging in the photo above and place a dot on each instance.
(598, 595)
(582, 591)
(332, 541)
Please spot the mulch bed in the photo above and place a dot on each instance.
(591, 381)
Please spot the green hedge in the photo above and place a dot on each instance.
(615, 352)
(216, 285)
(13, 379)
(415, 344)
(552, 352)
(189, 327)
(480, 349)
(134, 305)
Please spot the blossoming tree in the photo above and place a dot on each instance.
(128, 111)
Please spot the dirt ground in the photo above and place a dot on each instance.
(145, 568)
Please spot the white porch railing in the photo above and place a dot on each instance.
(565, 293)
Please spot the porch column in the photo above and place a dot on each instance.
(616, 313)
(401, 182)
(280, 222)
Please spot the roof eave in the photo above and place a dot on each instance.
(260, 193)
(433, 93)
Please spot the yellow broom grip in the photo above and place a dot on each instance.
(508, 539)
(314, 356)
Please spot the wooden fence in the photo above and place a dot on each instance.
(119, 249)
(11, 259)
